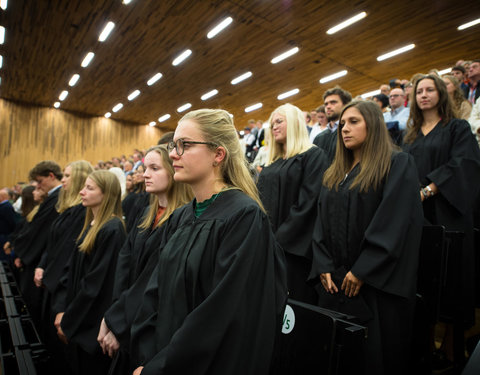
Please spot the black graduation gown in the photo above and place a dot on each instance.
(86, 293)
(29, 247)
(327, 141)
(133, 206)
(289, 191)
(376, 235)
(218, 293)
(449, 156)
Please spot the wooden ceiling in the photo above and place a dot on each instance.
(47, 40)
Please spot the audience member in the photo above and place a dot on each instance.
(382, 102)
(461, 106)
(398, 110)
(474, 78)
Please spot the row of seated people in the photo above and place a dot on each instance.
(200, 281)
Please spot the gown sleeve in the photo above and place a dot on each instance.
(240, 307)
(454, 179)
(389, 249)
(294, 234)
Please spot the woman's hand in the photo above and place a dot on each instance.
(18, 263)
(138, 371)
(7, 248)
(60, 334)
(111, 344)
(102, 332)
(38, 277)
(351, 284)
(328, 284)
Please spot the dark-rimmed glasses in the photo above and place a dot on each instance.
(179, 145)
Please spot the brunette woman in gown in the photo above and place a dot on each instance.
(367, 236)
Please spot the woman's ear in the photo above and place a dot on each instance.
(219, 155)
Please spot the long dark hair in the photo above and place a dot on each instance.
(445, 107)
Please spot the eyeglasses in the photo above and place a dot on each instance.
(394, 96)
(179, 145)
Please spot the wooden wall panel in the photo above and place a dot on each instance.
(29, 134)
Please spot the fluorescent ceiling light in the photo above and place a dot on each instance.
(127, 1)
(1, 61)
(288, 93)
(284, 55)
(106, 31)
(154, 79)
(152, 123)
(445, 71)
(2, 34)
(87, 59)
(241, 78)
(63, 95)
(209, 94)
(469, 24)
(179, 59)
(346, 23)
(370, 94)
(164, 118)
(107, 115)
(73, 81)
(184, 107)
(333, 76)
(133, 95)
(56, 104)
(253, 107)
(117, 108)
(227, 21)
(3, 4)
(395, 52)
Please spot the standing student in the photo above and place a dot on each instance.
(289, 186)
(448, 162)
(135, 202)
(218, 293)
(367, 236)
(86, 291)
(32, 242)
(138, 256)
(61, 243)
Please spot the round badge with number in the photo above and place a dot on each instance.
(288, 320)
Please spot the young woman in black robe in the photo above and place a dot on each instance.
(86, 290)
(138, 255)
(135, 202)
(216, 298)
(61, 243)
(289, 185)
(367, 236)
(448, 162)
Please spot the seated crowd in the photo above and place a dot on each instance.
(180, 258)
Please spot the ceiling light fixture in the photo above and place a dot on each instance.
(370, 94)
(56, 104)
(396, 52)
(107, 115)
(73, 81)
(469, 24)
(253, 107)
(184, 107)
(106, 31)
(346, 23)
(133, 95)
(212, 33)
(164, 118)
(63, 95)
(2, 34)
(87, 59)
(117, 107)
(241, 78)
(445, 71)
(1, 61)
(284, 55)
(3, 4)
(152, 123)
(333, 76)
(126, 2)
(154, 79)
(209, 94)
(180, 58)
(288, 93)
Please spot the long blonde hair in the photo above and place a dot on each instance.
(110, 207)
(178, 193)
(297, 140)
(69, 198)
(217, 127)
(376, 151)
